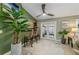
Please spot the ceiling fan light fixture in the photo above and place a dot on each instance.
(44, 14)
(43, 10)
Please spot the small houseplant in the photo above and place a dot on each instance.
(63, 33)
(17, 22)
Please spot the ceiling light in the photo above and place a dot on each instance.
(44, 14)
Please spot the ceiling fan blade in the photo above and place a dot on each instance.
(50, 14)
(38, 15)
(43, 8)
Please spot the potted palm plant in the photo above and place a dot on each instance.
(18, 23)
(63, 33)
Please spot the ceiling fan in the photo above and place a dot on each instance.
(44, 13)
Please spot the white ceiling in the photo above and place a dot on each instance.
(58, 9)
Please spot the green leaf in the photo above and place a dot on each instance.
(64, 32)
(22, 26)
(22, 11)
(15, 13)
(7, 8)
(23, 22)
(21, 17)
(5, 15)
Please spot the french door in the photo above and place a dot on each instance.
(48, 30)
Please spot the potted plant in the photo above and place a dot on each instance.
(63, 33)
(18, 23)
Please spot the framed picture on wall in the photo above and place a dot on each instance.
(65, 24)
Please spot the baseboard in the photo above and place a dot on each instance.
(76, 50)
(8, 53)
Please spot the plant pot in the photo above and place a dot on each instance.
(16, 49)
(63, 40)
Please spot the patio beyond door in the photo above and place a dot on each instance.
(48, 30)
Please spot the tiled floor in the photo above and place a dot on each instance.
(48, 47)
(68, 50)
(44, 47)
